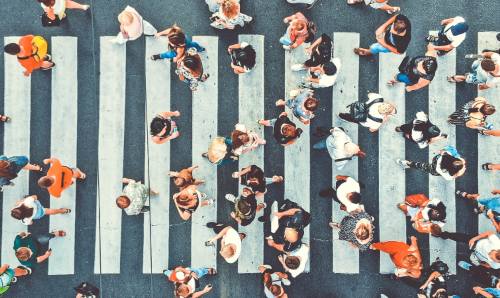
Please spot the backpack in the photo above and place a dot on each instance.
(359, 110)
(87, 290)
(440, 267)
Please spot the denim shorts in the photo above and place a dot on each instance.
(378, 48)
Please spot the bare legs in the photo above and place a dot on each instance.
(75, 5)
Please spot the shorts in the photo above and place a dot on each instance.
(40, 210)
(378, 48)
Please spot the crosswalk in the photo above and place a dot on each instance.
(251, 102)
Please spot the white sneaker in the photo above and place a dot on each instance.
(286, 282)
(297, 67)
(210, 202)
(202, 195)
(230, 197)
(286, 47)
(403, 163)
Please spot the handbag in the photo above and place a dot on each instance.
(47, 22)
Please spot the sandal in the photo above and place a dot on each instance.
(59, 233)
(451, 79)
(242, 236)
(486, 166)
(212, 271)
(66, 211)
(4, 118)
(334, 225)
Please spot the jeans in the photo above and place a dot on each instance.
(378, 48)
(321, 145)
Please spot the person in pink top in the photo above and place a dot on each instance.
(132, 26)
(299, 30)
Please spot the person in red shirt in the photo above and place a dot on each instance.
(405, 257)
(59, 177)
(31, 52)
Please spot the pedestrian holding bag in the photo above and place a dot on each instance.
(47, 22)
(359, 110)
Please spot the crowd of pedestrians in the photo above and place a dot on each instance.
(287, 219)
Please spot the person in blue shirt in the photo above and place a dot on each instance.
(178, 43)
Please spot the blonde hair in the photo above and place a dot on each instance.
(125, 17)
(230, 8)
(387, 109)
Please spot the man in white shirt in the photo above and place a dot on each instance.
(340, 147)
(347, 193)
(486, 250)
(323, 75)
(451, 35)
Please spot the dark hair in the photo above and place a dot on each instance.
(246, 56)
(21, 212)
(487, 64)
(236, 138)
(436, 230)
(275, 290)
(329, 68)
(451, 164)
(431, 132)
(5, 171)
(311, 104)
(292, 262)
(192, 62)
(355, 197)
(244, 207)
(178, 39)
(298, 132)
(487, 109)
(158, 124)
(430, 65)
(12, 49)
(437, 212)
(45, 182)
(402, 18)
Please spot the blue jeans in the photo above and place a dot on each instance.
(199, 271)
(378, 48)
(321, 145)
(189, 44)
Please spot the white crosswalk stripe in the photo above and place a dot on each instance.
(111, 141)
(392, 223)
(157, 162)
(345, 92)
(488, 147)
(441, 105)
(251, 108)
(17, 104)
(63, 140)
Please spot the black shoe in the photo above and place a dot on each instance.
(263, 218)
(346, 117)
(431, 38)
(155, 57)
(398, 129)
(327, 193)
(202, 50)
(145, 209)
(28, 269)
(211, 225)
(498, 36)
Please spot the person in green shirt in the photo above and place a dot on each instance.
(27, 247)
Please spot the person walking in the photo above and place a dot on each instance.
(163, 128)
(452, 34)
(134, 197)
(295, 262)
(32, 53)
(187, 280)
(243, 57)
(357, 229)
(489, 206)
(132, 26)
(284, 130)
(230, 245)
(226, 14)
(11, 166)
(244, 140)
(346, 193)
(447, 163)
(392, 36)
(190, 69)
(406, 258)
(435, 286)
(485, 72)
(423, 212)
(377, 4)
(29, 209)
(27, 247)
(8, 276)
(302, 103)
(245, 207)
(274, 282)
(188, 200)
(371, 114)
(178, 44)
(322, 76)
(57, 8)
(299, 30)
(184, 178)
(339, 145)
(473, 114)
(421, 131)
(254, 178)
(320, 52)
(59, 177)
(418, 72)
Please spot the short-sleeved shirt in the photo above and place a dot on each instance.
(329, 80)
(335, 144)
(484, 247)
(63, 177)
(30, 203)
(347, 226)
(246, 218)
(28, 58)
(255, 172)
(455, 40)
(492, 80)
(295, 104)
(134, 29)
(278, 135)
(30, 243)
(399, 42)
(232, 237)
(138, 194)
(350, 185)
(303, 254)
(373, 112)
(237, 61)
(493, 291)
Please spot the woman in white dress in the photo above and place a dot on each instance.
(55, 8)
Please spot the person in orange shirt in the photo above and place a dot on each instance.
(405, 257)
(59, 177)
(31, 52)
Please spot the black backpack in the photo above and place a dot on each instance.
(440, 267)
(87, 290)
(359, 110)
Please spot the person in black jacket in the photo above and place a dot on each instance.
(285, 131)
